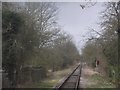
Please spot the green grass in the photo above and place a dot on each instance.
(52, 79)
(48, 83)
(100, 82)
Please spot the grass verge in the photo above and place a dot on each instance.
(53, 79)
(99, 81)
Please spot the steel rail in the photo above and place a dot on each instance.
(77, 82)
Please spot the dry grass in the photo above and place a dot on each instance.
(93, 79)
(54, 78)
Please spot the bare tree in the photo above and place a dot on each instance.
(44, 17)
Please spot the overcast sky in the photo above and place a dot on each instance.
(75, 20)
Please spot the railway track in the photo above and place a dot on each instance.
(73, 80)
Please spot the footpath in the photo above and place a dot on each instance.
(90, 78)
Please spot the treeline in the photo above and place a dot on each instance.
(32, 37)
(105, 47)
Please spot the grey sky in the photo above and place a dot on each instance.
(76, 21)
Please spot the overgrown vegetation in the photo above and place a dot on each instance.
(32, 38)
(105, 47)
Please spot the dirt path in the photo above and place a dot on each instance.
(87, 72)
(92, 79)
